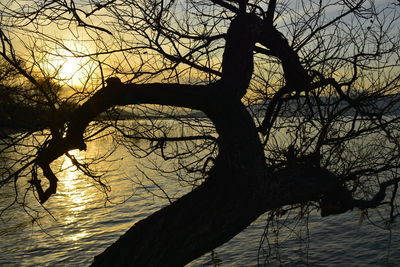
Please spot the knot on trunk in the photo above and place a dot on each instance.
(113, 82)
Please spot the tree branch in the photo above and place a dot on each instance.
(269, 17)
(117, 93)
(81, 23)
(296, 76)
(379, 196)
(226, 5)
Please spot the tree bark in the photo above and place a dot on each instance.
(237, 191)
(240, 186)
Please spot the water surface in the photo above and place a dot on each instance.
(82, 224)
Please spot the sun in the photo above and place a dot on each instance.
(69, 65)
(71, 69)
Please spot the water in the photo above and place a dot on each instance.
(82, 224)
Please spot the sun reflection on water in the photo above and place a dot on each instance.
(73, 191)
(77, 236)
(71, 174)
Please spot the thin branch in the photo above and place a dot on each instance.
(84, 24)
(379, 196)
(226, 5)
(269, 18)
(305, 41)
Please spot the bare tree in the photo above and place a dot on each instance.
(322, 76)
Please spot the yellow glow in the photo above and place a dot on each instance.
(71, 69)
(68, 165)
(77, 236)
(70, 181)
(68, 66)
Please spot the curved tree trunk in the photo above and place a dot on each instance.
(237, 191)
(210, 215)
(239, 187)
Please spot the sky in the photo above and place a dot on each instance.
(53, 40)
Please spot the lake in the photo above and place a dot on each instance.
(82, 221)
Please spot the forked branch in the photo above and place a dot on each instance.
(114, 94)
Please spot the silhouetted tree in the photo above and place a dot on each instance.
(324, 77)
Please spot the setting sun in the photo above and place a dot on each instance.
(67, 65)
(70, 69)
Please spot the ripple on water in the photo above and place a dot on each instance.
(86, 225)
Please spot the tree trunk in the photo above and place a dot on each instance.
(210, 215)
(237, 191)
